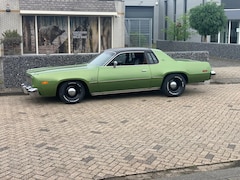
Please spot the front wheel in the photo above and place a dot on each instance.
(71, 92)
(173, 85)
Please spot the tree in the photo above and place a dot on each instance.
(208, 19)
(179, 30)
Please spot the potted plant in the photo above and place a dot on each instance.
(11, 41)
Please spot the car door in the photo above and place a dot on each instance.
(127, 75)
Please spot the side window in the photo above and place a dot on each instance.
(139, 58)
(121, 59)
(131, 58)
(152, 58)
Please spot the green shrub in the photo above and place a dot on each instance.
(11, 38)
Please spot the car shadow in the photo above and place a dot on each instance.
(54, 100)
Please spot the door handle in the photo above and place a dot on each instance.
(144, 70)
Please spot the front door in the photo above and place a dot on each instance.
(130, 73)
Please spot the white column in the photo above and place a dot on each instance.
(229, 31)
(36, 33)
(69, 36)
(99, 34)
(238, 33)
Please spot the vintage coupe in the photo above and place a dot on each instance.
(114, 71)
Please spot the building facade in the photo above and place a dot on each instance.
(232, 30)
(141, 22)
(64, 26)
(175, 8)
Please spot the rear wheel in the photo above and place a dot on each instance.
(173, 85)
(71, 92)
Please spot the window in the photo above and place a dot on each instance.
(29, 38)
(185, 6)
(52, 34)
(133, 58)
(152, 58)
(84, 34)
(166, 14)
(66, 34)
(174, 10)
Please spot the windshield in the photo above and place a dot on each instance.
(102, 58)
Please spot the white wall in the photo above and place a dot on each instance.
(9, 20)
(119, 26)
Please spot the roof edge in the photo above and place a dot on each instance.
(86, 13)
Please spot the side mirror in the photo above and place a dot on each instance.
(115, 63)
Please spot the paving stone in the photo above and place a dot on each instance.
(45, 139)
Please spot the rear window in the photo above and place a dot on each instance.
(152, 58)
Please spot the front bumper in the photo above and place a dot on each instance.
(30, 90)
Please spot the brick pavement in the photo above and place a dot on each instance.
(117, 136)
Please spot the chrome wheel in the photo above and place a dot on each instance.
(71, 92)
(174, 85)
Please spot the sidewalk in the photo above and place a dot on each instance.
(226, 75)
(224, 171)
(227, 72)
(225, 174)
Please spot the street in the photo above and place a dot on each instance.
(119, 135)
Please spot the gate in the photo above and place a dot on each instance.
(138, 32)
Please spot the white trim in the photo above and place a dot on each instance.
(112, 23)
(229, 31)
(231, 9)
(99, 34)
(36, 35)
(85, 13)
(21, 32)
(219, 37)
(238, 33)
(69, 36)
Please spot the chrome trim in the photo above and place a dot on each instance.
(29, 90)
(125, 91)
(121, 80)
(213, 73)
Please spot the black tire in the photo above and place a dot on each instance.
(173, 85)
(71, 92)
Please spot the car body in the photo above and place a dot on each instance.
(119, 70)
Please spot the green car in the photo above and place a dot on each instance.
(115, 71)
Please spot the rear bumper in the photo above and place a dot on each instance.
(30, 90)
(213, 73)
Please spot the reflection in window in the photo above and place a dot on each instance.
(84, 34)
(106, 33)
(53, 37)
(52, 34)
(102, 59)
(29, 40)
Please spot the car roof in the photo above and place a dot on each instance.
(118, 50)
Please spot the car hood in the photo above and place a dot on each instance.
(45, 70)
